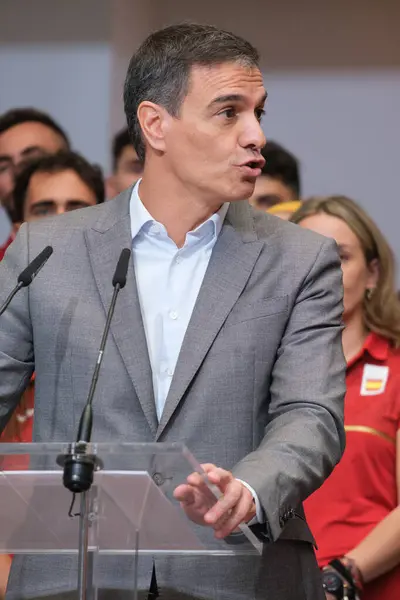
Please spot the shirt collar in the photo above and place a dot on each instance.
(376, 346)
(138, 212)
(140, 216)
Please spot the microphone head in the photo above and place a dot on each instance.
(28, 275)
(121, 270)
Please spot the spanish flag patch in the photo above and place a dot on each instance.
(374, 380)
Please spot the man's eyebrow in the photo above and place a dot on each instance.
(234, 98)
(42, 203)
(30, 149)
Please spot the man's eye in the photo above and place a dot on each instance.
(230, 113)
(5, 167)
(42, 211)
(260, 112)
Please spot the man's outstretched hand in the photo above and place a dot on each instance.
(235, 506)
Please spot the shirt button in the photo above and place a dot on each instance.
(155, 228)
(173, 315)
(170, 372)
(178, 259)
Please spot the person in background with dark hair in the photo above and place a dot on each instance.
(279, 180)
(46, 186)
(127, 168)
(355, 515)
(56, 184)
(24, 133)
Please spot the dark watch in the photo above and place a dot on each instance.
(333, 584)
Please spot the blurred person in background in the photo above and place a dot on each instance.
(55, 184)
(355, 515)
(47, 186)
(127, 167)
(24, 133)
(279, 180)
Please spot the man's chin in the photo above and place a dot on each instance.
(244, 190)
(232, 191)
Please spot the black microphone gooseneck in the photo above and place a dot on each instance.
(28, 275)
(78, 466)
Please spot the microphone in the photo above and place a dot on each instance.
(79, 467)
(28, 275)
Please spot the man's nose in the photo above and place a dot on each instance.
(253, 135)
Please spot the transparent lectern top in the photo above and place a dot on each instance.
(131, 504)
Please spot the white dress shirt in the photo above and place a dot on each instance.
(168, 281)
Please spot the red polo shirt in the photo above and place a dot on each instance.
(362, 490)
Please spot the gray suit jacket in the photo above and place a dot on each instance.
(258, 387)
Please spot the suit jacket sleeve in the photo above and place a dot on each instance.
(304, 438)
(16, 347)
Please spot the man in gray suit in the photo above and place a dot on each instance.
(227, 336)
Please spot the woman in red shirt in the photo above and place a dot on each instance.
(355, 515)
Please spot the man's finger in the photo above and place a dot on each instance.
(184, 493)
(235, 517)
(197, 482)
(220, 477)
(227, 502)
(207, 467)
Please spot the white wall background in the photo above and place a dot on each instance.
(28, 76)
(332, 70)
(132, 21)
(56, 56)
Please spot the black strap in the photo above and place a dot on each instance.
(153, 591)
(343, 571)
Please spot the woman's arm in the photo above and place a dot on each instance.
(379, 551)
(5, 564)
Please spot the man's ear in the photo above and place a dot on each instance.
(153, 120)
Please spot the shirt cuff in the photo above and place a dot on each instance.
(260, 517)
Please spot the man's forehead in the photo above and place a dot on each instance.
(60, 184)
(226, 78)
(28, 130)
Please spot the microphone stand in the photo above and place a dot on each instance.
(10, 297)
(78, 465)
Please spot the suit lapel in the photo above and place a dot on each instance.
(105, 241)
(231, 264)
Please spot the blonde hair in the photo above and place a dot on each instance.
(382, 309)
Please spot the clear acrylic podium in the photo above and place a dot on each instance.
(129, 510)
